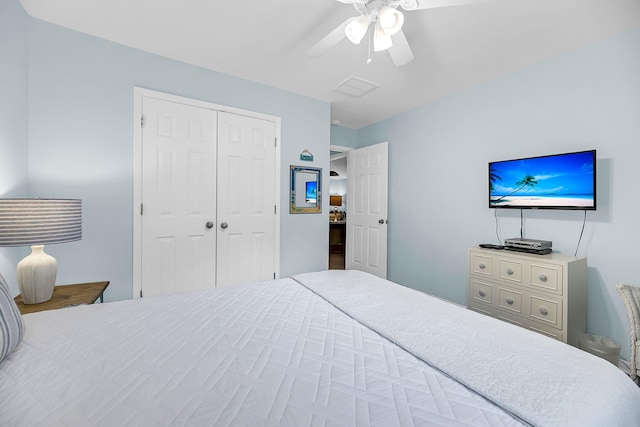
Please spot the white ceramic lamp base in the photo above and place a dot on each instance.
(36, 276)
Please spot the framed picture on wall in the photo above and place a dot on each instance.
(306, 190)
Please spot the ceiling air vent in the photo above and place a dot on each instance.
(356, 87)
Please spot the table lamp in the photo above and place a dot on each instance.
(38, 222)
(335, 201)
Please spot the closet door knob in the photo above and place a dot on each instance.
(223, 225)
(209, 224)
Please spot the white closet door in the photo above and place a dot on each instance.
(246, 199)
(366, 249)
(178, 197)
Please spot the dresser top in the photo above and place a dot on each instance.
(553, 256)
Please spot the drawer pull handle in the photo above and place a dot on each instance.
(543, 311)
(509, 301)
(481, 293)
(509, 271)
(482, 266)
(543, 278)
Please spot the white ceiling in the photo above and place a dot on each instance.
(267, 40)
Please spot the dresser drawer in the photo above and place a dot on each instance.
(556, 334)
(480, 309)
(498, 314)
(510, 299)
(547, 310)
(546, 278)
(510, 270)
(518, 320)
(481, 291)
(509, 319)
(481, 264)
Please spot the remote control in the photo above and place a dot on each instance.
(490, 246)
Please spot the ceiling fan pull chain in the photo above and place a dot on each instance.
(370, 38)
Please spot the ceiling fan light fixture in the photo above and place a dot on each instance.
(408, 4)
(390, 20)
(356, 28)
(381, 40)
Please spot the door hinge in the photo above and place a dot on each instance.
(275, 141)
(140, 293)
(275, 209)
(274, 276)
(141, 208)
(142, 120)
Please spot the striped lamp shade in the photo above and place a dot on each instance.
(26, 222)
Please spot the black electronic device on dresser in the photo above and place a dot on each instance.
(531, 246)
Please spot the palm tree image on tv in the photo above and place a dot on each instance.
(493, 177)
(527, 182)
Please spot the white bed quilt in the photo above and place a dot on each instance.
(271, 354)
(541, 381)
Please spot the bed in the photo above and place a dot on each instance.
(332, 348)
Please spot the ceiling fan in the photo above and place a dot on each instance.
(385, 21)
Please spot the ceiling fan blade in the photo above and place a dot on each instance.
(329, 41)
(401, 53)
(431, 4)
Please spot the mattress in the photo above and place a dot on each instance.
(288, 352)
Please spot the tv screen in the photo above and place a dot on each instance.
(558, 181)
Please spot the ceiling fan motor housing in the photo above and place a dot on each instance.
(384, 14)
(387, 20)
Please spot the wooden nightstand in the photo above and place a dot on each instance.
(66, 296)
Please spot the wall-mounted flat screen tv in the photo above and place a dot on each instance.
(558, 181)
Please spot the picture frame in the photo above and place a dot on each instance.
(305, 189)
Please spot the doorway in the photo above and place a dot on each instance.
(338, 206)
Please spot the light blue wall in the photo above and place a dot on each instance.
(14, 132)
(438, 155)
(344, 136)
(80, 107)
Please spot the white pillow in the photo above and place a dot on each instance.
(11, 327)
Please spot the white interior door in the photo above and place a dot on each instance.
(246, 199)
(366, 246)
(178, 197)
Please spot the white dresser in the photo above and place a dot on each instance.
(544, 293)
